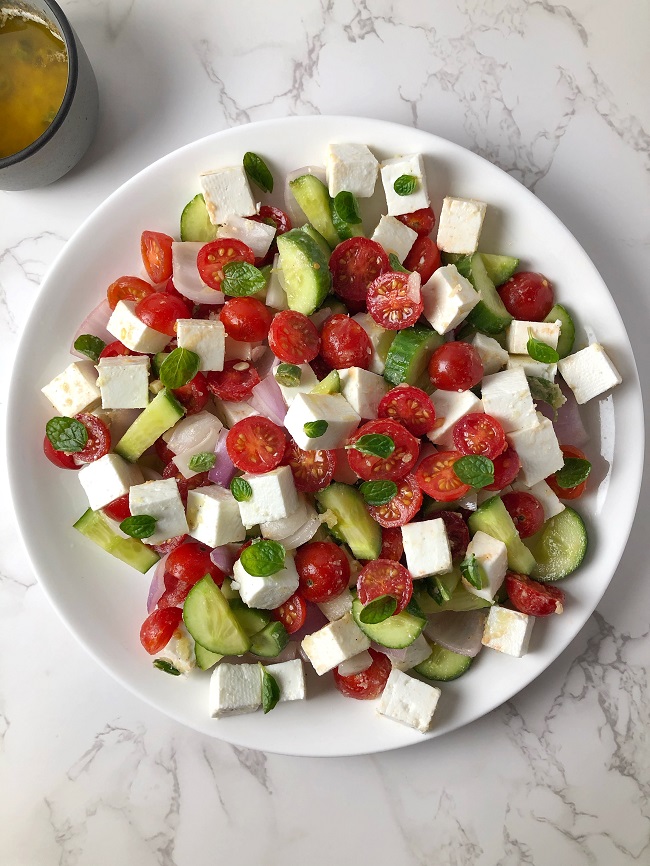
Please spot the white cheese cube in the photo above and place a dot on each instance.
(276, 297)
(492, 555)
(187, 279)
(543, 493)
(125, 326)
(413, 655)
(204, 337)
(334, 643)
(180, 650)
(160, 499)
(356, 665)
(308, 381)
(493, 356)
(230, 413)
(518, 335)
(337, 607)
(506, 396)
(448, 299)
(394, 237)
(332, 408)
(213, 516)
(508, 631)
(107, 479)
(408, 701)
(460, 224)
(589, 373)
(274, 497)
(290, 677)
(426, 547)
(538, 450)
(257, 236)
(235, 689)
(227, 193)
(74, 390)
(238, 350)
(380, 339)
(532, 367)
(277, 530)
(267, 593)
(351, 167)
(363, 390)
(391, 169)
(124, 382)
(192, 435)
(450, 407)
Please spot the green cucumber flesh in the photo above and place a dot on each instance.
(204, 658)
(331, 384)
(567, 329)
(313, 197)
(307, 278)
(560, 546)
(227, 591)
(158, 360)
(96, 528)
(211, 622)
(490, 315)
(270, 641)
(354, 525)
(443, 665)
(410, 353)
(396, 632)
(250, 619)
(161, 414)
(499, 268)
(493, 519)
(308, 229)
(460, 600)
(195, 222)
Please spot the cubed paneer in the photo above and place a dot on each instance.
(538, 450)
(290, 677)
(227, 193)
(206, 338)
(543, 493)
(267, 593)
(506, 396)
(337, 607)
(213, 516)
(532, 367)
(161, 500)
(520, 332)
(460, 224)
(363, 390)
(257, 236)
(274, 497)
(276, 296)
(333, 409)
(411, 165)
(308, 380)
(380, 339)
(408, 701)
(124, 382)
(235, 689)
(394, 237)
(492, 555)
(508, 631)
(74, 390)
(448, 299)
(426, 547)
(126, 327)
(180, 650)
(351, 167)
(334, 643)
(107, 479)
(356, 665)
(450, 407)
(589, 373)
(493, 356)
(277, 530)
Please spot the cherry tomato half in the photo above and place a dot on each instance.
(116, 349)
(455, 367)
(402, 508)
(161, 312)
(457, 533)
(311, 470)
(568, 492)
(397, 465)
(256, 444)
(392, 545)
(344, 343)
(127, 289)
(526, 512)
(421, 221)
(166, 547)
(354, 265)
(478, 433)
(118, 509)
(293, 337)
(246, 319)
(59, 458)
(190, 562)
(385, 577)
(273, 216)
(437, 478)
(527, 296)
(533, 598)
(99, 438)
(423, 257)
(323, 570)
(369, 684)
(156, 249)
(213, 257)
(193, 396)
(175, 591)
(235, 382)
(292, 614)
(411, 406)
(158, 628)
(506, 469)
(395, 301)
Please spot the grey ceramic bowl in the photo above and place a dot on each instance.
(68, 137)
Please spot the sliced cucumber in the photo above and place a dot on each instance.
(307, 278)
(344, 229)
(560, 547)
(354, 525)
(211, 622)
(489, 316)
(158, 360)
(195, 222)
(313, 197)
(396, 632)
(270, 641)
(94, 526)
(493, 519)
(567, 330)
(250, 619)
(204, 658)
(227, 591)
(443, 664)
(410, 353)
(460, 600)
(499, 268)
(331, 384)
(308, 229)
(161, 414)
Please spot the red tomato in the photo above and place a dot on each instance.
(392, 546)
(457, 533)
(421, 221)
(163, 451)
(526, 512)
(156, 249)
(411, 406)
(527, 296)
(273, 216)
(423, 257)
(59, 458)
(116, 349)
(355, 264)
(127, 289)
(311, 470)
(506, 469)
(190, 562)
(369, 684)
(455, 367)
(246, 319)
(256, 444)
(166, 547)
(293, 337)
(568, 492)
(533, 598)
(321, 368)
(99, 439)
(385, 577)
(158, 628)
(235, 382)
(403, 506)
(185, 484)
(193, 396)
(292, 614)
(344, 343)
(118, 509)
(437, 478)
(478, 433)
(394, 467)
(170, 289)
(323, 570)
(394, 302)
(160, 312)
(214, 255)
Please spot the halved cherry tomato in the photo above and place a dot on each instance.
(127, 289)
(158, 628)
(369, 684)
(394, 302)
(156, 249)
(411, 406)
(311, 470)
(568, 492)
(344, 343)
(116, 349)
(478, 433)
(256, 444)
(293, 337)
(354, 265)
(527, 296)
(403, 506)
(273, 216)
(423, 257)
(235, 382)
(170, 289)
(394, 467)
(161, 312)
(457, 533)
(190, 562)
(533, 598)
(163, 451)
(437, 478)
(118, 509)
(455, 367)
(421, 221)
(99, 438)
(392, 546)
(175, 591)
(385, 577)
(213, 257)
(246, 319)
(59, 458)
(526, 512)
(323, 570)
(506, 469)
(292, 614)
(166, 547)
(193, 396)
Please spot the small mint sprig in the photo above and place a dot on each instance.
(473, 572)
(378, 610)
(179, 368)
(258, 171)
(406, 184)
(373, 444)
(139, 526)
(263, 558)
(539, 351)
(475, 470)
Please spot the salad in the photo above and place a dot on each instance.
(334, 452)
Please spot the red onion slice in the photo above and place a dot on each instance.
(225, 557)
(291, 206)
(569, 428)
(95, 324)
(302, 535)
(458, 631)
(187, 279)
(224, 470)
(157, 585)
(267, 399)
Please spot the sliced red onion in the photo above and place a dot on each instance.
(187, 279)
(193, 435)
(569, 428)
(95, 324)
(225, 557)
(224, 470)
(320, 317)
(288, 654)
(291, 206)
(264, 360)
(157, 585)
(150, 474)
(458, 631)
(267, 399)
(314, 621)
(304, 534)
(120, 420)
(427, 449)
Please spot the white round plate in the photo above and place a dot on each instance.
(103, 601)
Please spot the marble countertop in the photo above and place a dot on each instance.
(556, 94)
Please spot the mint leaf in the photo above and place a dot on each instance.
(548, 392)
(314, 429)
(270, 690)
(539, 351)
(405, 184)
(378, 492)
(90, 346)
(288, 375)
(241, 489)
(203, 461)
(167, 667)
(179, 368)
(66, 434)
(379, 609)
(347, 209)
(473, 572)
(437, 590)
(240, 279)
(258, 171)
(475, 470)
(574, 472)
(139, 526)
(263, 558)
(396, 265)
(374, 444)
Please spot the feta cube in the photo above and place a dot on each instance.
(589, 373)
(274, 497)
(227, 193)
(408, 701)
(538, 450)
(492, 555)
(391, 169)
(334, 643)
(125, 326)
(363, 390)
(337, 607)
(74, 390)
(124, 382)
(213, 516)
(506, 396)
(290, 677)
(277, 530)
(508, 631)
(235, 689)
(107, 479)
(448, 299)
(426, 547)
(532, 367)
(160, 499)
(267, 593)
(394, 236)
(334, 409)
(276, 296)
(412, 655)
(257, 236)
(543, 493)
(518, 335)
(187, 279)
(460, 224)
(450, 406)
(230, 413)
(308, 381)
(493, 356)
(356, 665)
(192, 435)
(351, 167)
(238, 350)
(180, 650)
(204, 337)
(380, 339)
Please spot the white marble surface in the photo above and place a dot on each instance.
(557, 95)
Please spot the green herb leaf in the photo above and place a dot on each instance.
(346, 207)
(66, 434)
(314, 429)
(405, 184)
(139, 526)
(258, 171)
(203, 461)
(179, 368)
(378, 609)
(374, 444)
(473, 572)
(574, 472)
(167, 667)
(240, 279)
(539, 351)
(378, 492)
(270, 690)
(263, 558)
(241, 489)
(90, 346)
(396, 265)
(475, 470)
(548, 392)
(288, 375)
(437, 590)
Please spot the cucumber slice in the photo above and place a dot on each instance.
(250, 619)
(94, 526)
(313, 197)
(567, 331)
(331, 384)
(443, 664)
(344, 229)
(204, 658)
(227, 591)
(158, 360)
(410, 353)
(499, 268)
(307, 278)
(195, 222)
(490, 315)
(210, 621)
(396, 632)
(560, 546)
(493, 519)
(308, 229)
(354, 525)
(161, 414)
(270, 641)
(460, 600)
